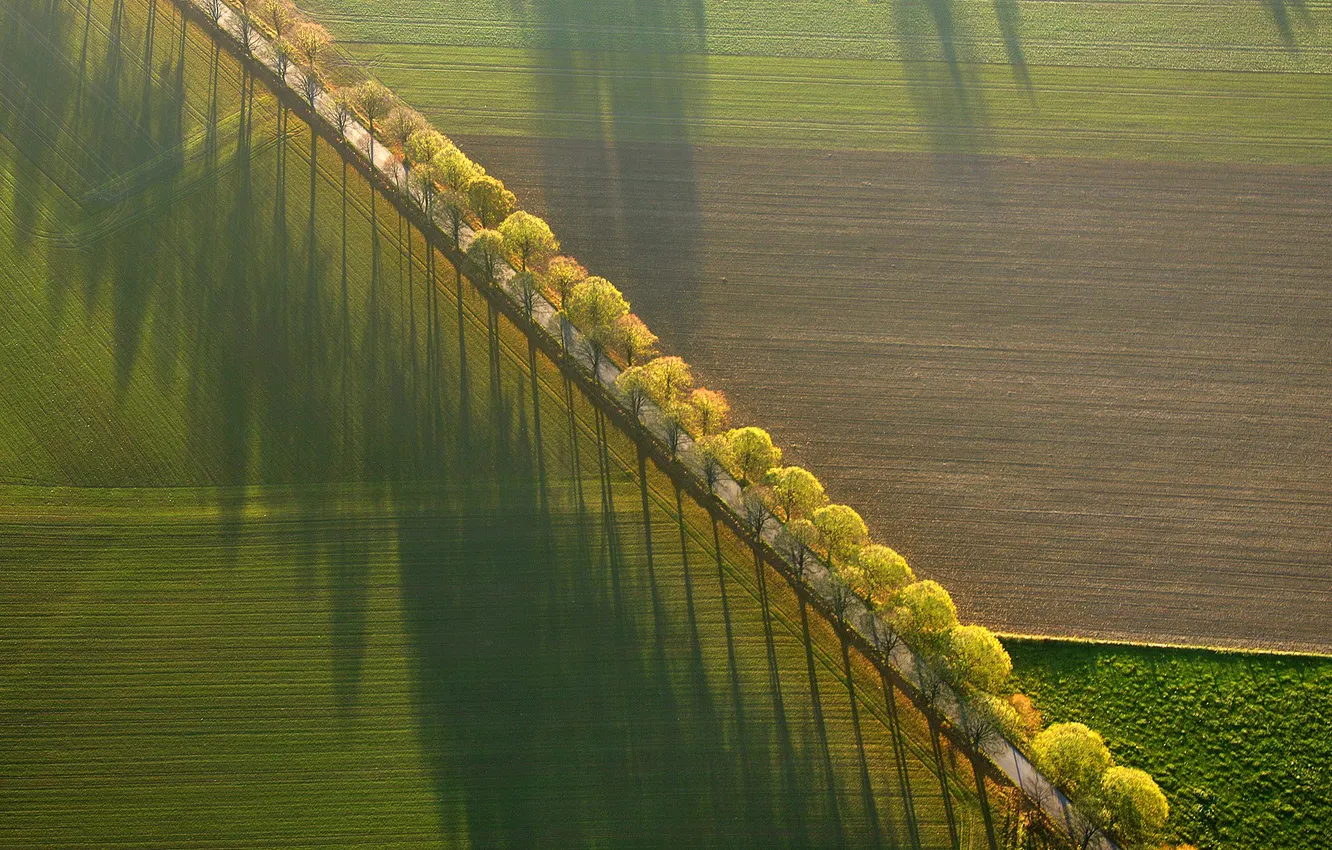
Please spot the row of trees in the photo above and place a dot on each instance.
(443, 181)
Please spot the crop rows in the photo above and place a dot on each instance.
(300, 592)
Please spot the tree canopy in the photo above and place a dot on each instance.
(714, 455)
(279, 15)
(634, 338)
(490, 201)
(402, 122)
(795, 492)
(528, 240)
(799, 537)
(977, 658)
(424, 145)
(1073, 757)
(373, 99)
(594, 306)
(842, 530)
(310, 40)
(925, 611)
(633, 382)
(668, 380)
(457, 171)
(487, 251)
(562, 274)
(886, 573)
(752, 453)
(1134, 807)
(712, 409)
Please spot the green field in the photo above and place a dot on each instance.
(1229, 81)
(1238, 741)
(298, 550)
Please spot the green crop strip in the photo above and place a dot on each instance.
(1145, 80)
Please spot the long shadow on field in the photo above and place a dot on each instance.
(565, 696)
(622, 82)
(944, 92)
(1282, 11)
(567, 693)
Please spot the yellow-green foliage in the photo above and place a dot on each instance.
(1073, 757)
(841, 530)
(795, 492)
(977, 658)
(594, 306)
(885, 571)
(528, 241)
(1135, 808)
(925, 611)
(751, 453)
(490, 201)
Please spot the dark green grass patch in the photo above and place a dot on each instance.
(1239, 742)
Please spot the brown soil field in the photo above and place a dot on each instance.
(1091, 397)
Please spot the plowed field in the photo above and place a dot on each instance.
(1090, 396)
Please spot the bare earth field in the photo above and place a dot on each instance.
(1089, 396)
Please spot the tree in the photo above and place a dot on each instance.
(798, 537)
(487, 251)
(373, 100)
(976, 657)
(886, 573)
(712, 408)
(981, 722)
(402, 122)
(675, 429)
(528, 240)
(843, 531)
(842, 590)
(457, 170)
(310, 40)
(279, 15)
(1135, 809)
(524, 283)
(425, 180)
(754, 510)
(594, 306)
(491, 202)
(425, 145)
(246, 18)
(924, 614)
(668, 380)
(752, 453)
(562, 275)
(634, 338)
(344, 105)
(1072, 757)
(283, 50)
(714, 455)
(633, 382)
(795, 492)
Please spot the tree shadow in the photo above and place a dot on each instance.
(622, 83)
(567, 691)
(1284, 14)
(941, 80)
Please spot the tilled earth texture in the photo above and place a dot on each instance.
(1040, 288)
